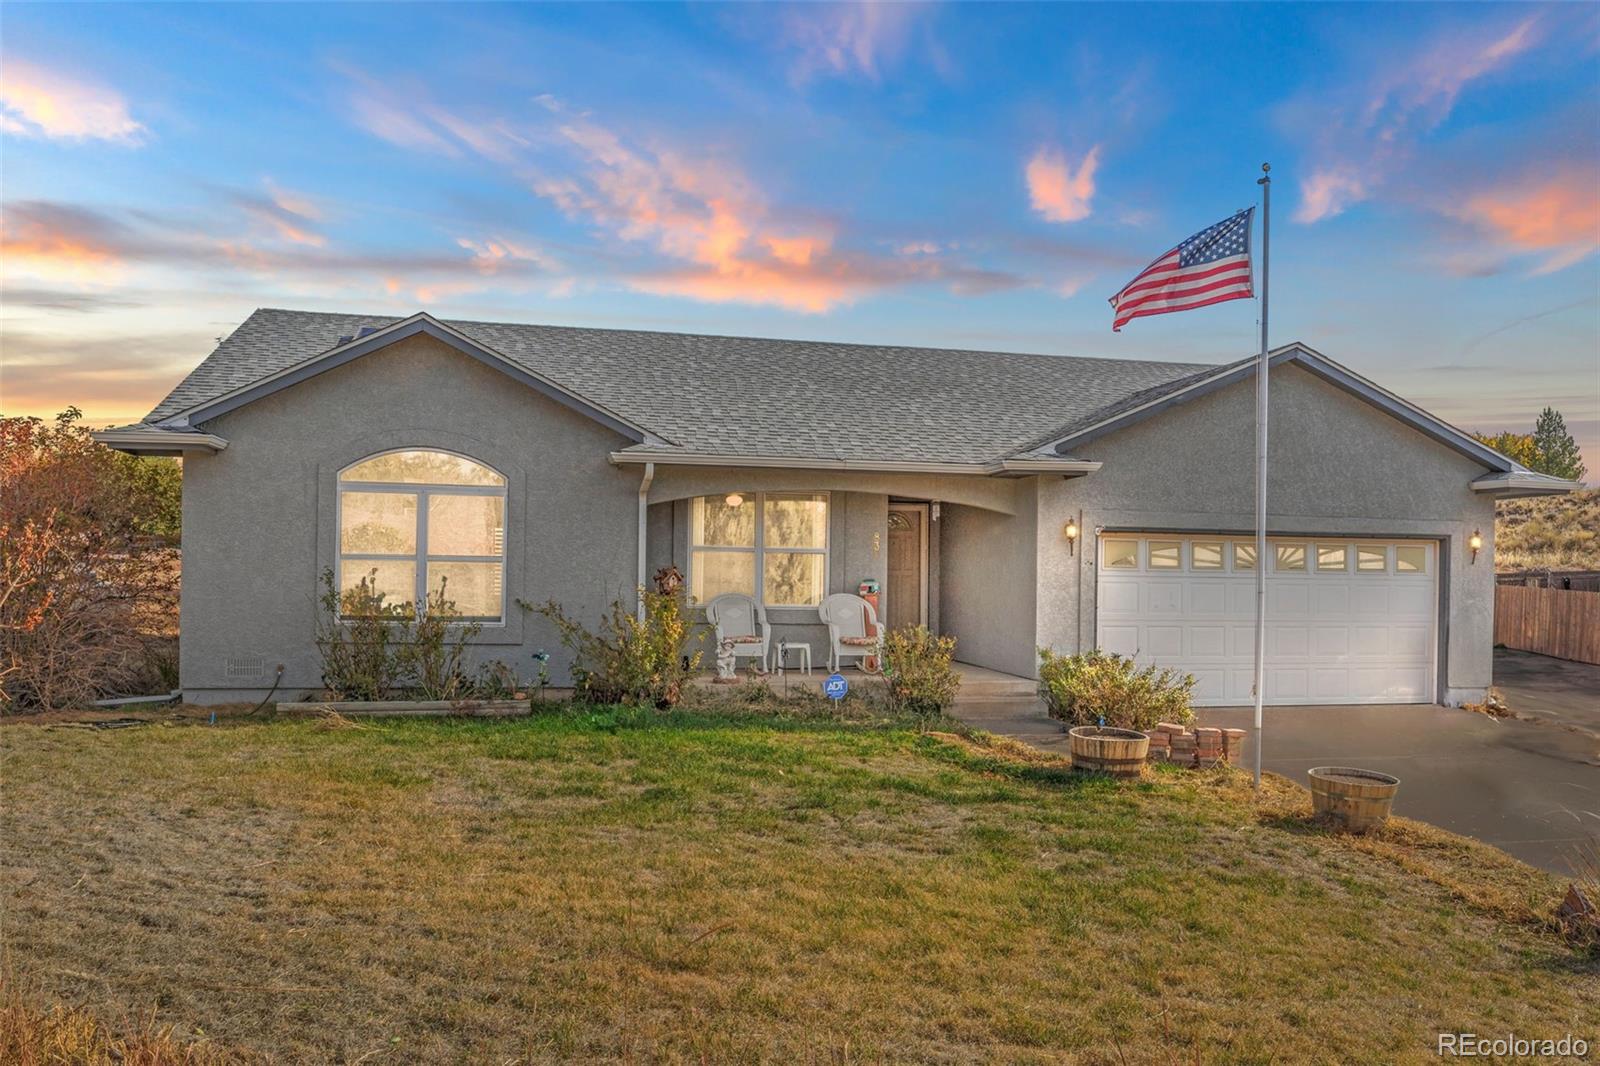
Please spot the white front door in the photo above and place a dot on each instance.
(1348, 620)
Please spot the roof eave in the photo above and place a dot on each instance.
(1516, 484)
(153, 440)
(421, 322)
(997, 468)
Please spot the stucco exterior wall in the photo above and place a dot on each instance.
(1337, 466)
(259, 523)
(988, 581)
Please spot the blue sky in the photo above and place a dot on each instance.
(967, 176)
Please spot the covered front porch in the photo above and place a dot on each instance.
(953, 553)
(978, 683)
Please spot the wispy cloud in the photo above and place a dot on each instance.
(849, 40)
(1555, 216)
(36, 101)
(1369, 129)
(60, 241)
(288, 215)
(1057, 191)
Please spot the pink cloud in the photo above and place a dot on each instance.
(1058, 192)
(1368, 131)
(291, 216)
(38, 102)
(1555, 215)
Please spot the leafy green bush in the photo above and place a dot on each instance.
(631, 659)
(1084, 689)
(920, 672)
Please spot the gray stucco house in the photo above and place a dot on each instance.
(1011, 501)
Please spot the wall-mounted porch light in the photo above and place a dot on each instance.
(733, 499)
(1071, 530)
(1475, 542)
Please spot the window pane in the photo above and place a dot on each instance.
(466, 525)
(1332, 557)
(1372, 558)
(793, 578)
(1165, 555)
(422, 468)
(716, 522)
(1410, 559)
(1206, 555)
(713, 573)
(380, 522)
(1122, 553)
(473, 588)
(1244, 556)
(392, 586)
(797, 522)
(1291, 556)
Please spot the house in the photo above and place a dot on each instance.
(1011, 501)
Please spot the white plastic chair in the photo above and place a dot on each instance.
(741, 619)
(854, 631)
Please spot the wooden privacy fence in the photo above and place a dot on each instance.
(1564, 623)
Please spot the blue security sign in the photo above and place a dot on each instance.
(835, 687)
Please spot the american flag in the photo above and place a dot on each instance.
(1208, 268)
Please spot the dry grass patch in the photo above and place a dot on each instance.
(1552, 532)
(709, 887)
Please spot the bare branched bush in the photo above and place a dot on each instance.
(88, 565)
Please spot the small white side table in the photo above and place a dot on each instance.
(780, 655)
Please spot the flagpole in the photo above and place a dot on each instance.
(1265, 181)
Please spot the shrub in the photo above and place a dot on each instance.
(88, 563)
(357, 635)
(1084, 689)
(631, 660)
(920, 672)
(433, 658)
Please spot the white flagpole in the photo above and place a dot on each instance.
(1265, 181)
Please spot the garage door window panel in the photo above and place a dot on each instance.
(1410, 559)
(1333, 558)
(1206, 555)
(1122, 554)
(1290, 557)
(1166, 555)
(1244, 556)
(1372, 559)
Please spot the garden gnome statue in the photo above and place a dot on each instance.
(725, 660)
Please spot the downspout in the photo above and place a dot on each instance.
(644, 516)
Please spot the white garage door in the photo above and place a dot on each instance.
(1348, 621)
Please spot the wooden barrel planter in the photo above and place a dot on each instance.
(1357, 799)
(1100, 749)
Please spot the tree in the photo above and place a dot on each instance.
(1518, 447)
(1556, 449)
(88, 564)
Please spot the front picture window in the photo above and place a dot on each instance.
(772, 546)
(420, 525)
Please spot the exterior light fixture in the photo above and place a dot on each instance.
(1071, 530)
(1475, 542)
(733, 499)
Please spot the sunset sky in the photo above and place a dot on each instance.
(962, 176)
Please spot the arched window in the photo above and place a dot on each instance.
(415, 522)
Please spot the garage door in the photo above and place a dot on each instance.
(1348, 621)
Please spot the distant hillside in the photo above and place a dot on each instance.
(1552, 532)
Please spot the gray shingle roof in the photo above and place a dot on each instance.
(752, 396)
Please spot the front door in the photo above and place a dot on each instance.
(907, 595)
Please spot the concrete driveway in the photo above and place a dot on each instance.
(1529, 787)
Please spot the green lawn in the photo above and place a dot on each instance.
(630, 885)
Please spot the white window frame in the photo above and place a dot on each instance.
(419, 556)
(759, 549)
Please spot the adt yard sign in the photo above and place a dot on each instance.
(835, 687)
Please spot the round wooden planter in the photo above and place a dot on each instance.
(1359, 799)
(1098, 749)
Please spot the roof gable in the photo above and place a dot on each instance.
(369, 340)
(1152, 402)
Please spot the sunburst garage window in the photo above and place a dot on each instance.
(419, 521)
